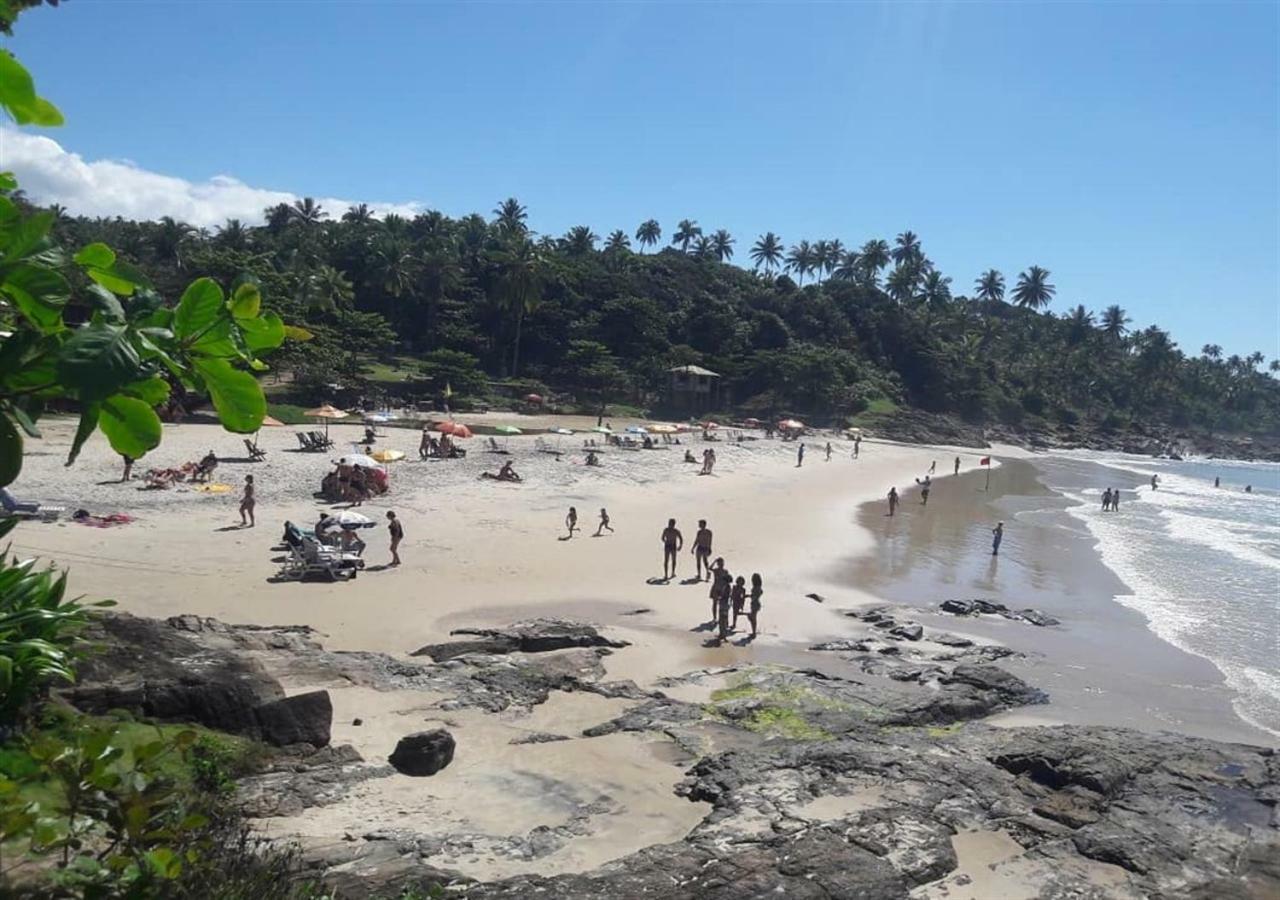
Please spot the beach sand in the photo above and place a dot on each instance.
(479, 553)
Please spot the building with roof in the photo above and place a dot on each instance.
(692, 390)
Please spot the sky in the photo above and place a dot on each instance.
(1131, 149)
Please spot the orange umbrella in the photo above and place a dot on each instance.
(791, 425)
(454, 429)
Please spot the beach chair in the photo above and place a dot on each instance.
(304, 442)
(307, 556)
(255, 453)
(13, 508)
(494, 448)
(319, 441)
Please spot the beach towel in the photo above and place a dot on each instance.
(108, 521)
(213, 488)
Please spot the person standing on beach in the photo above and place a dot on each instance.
(739, 597)
(924, 492)
(713, 575)
(672, 543)
(725, 581)
(397, 535)
(893, 500)
(604, 522)
(1155, 482)
(757, 591)
(1115, 500)
(702, 549)
(828, 451)
(957, 471)
(933, 467)
(997, 535)
(857, 446)
(571, 521)
(800, 456)
(247, 503)
(1106, 500)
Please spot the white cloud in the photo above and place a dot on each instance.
(50, 174)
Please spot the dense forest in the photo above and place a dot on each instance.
(817, 328)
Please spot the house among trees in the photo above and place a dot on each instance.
(693, 390)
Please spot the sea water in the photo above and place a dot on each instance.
(1202, 564)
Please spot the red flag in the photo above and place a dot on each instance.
(985, 461)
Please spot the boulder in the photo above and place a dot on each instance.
(957, 607)
(989, 608)
(950, 640)
(909, 631)
(423, 753)
(300, 719)
(1035, 617)
(535, 636)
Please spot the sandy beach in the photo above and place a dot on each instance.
(479, 553)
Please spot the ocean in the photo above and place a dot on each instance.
(1201, 564)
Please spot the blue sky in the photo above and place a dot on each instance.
(1129, 148)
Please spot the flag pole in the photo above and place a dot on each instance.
(988, 487)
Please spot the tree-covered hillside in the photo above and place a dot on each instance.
(816, 328)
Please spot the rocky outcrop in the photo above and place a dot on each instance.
(291, 783)
(987, 607)
(423, 753)
(300, 719)
(534, 636)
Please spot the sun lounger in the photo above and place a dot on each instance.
(319, 440)
(12, 507)
(494, 448)
(307, 556)
(255, 452)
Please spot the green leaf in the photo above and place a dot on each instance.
(8, 182)
(236, 395)
(105, 301)
(119, 278)
(130, 424)
(25, 422)
(200, 306)
(246, 302)
(216, 341)
(98, 255)
(18, 95)
(28, 235)
(88, 422)
(265, 333)
(294, 333)
(152, 391)
(10, 451)
(39, 293)
(97, 359)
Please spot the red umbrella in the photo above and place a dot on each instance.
(532, 398)
(454, 429)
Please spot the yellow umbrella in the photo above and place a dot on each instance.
(662, 429)
(386, 456)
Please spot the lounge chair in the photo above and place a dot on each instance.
(494, 448)
(319, 440)
(12, 507)
(307, 556)
(255, 452)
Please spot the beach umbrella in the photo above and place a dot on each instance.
(352, 520)
(358, 459)
(708, 426)
(602, 429)
(326, 412)
(561, 431)
(663, 429)
(507, 430)
(387, 456)
(791, 425)
(532, 398)
(636, 429)
(271, 422)
(453, 429)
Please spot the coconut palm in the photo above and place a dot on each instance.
(767, 251)
(233, 235)
(901, 283)
(278, 217)
(906, 250)
(1255, 359)
(509, 216)
(800, 259)
(359, 214)
(1034, 290)
(649, 233)
(580, 240)
(875, 256)
(833, 257)
(520, 276)
(821, 255)
(307, 212)
(990, 286)
(722, 245)
(703, 247)
(326, 289)
(1211, 351)
(1114, 322)
(617, 241)
(936, 289)
(1274, 365)
(1081, 323)
(168, 239)
(686, 231)
(850, 267)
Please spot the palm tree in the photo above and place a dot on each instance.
(1274, 365)
(990, 286)
(906, 251)
(800, 260)
(307, 212)
(686, 231)
(767, 251)
(233, 235)
(1211, 351)
(875, 256)
(1114, 322)
(278, 217)
(580, 240)
(520, 269)
(1255, 359)
(617, 242)
(358, 215)
(510, 216)
(821, 255)
(722, 245)
(936, 290)
(851, 267)
(833, 257)
(168, 239)
(901, 283)
(1081, 323)
(703, 248)
(326, 289)
(649, 233)
(1034, 290)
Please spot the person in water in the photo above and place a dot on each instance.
(1248, 489)
(739, 597)
(997, 536)
(702, 549)
(571, 520)
(924, 493)
(757, 591)
(933, 467)
(893, 500)
(1115, 499)
(1106, 500)
(604, 522)
(672, 543)
(1155, 482)
(1217, 482)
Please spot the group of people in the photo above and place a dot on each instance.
(728, 596)
(330, 533)
(353, 484)
(1111, 500)
(571, 522)
(433, 448)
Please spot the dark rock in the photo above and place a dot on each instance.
(538, 737)
(817, 598)
(423, 753)
(988, 607)
(300, 719)
(644, 610)
(1035, 617)
(844, 644)
(997, 684)
(957, 607)
(535, 636)
(950, 640)
(357, 722)
(909, 630)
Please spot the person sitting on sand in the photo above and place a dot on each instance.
(739, 598)
(506, 473)
(688, 456)
(604, 522)
(893, 500)
(672, 543)
(757, 591)
(702, 549)
(247, 503)
(593, 459)
(369, 435)
(571, 520)
(204, 470)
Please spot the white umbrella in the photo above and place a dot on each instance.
(562, 431)
(353, 520)
(358, 459)
(377, 419)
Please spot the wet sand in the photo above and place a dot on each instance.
(1101, 666)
